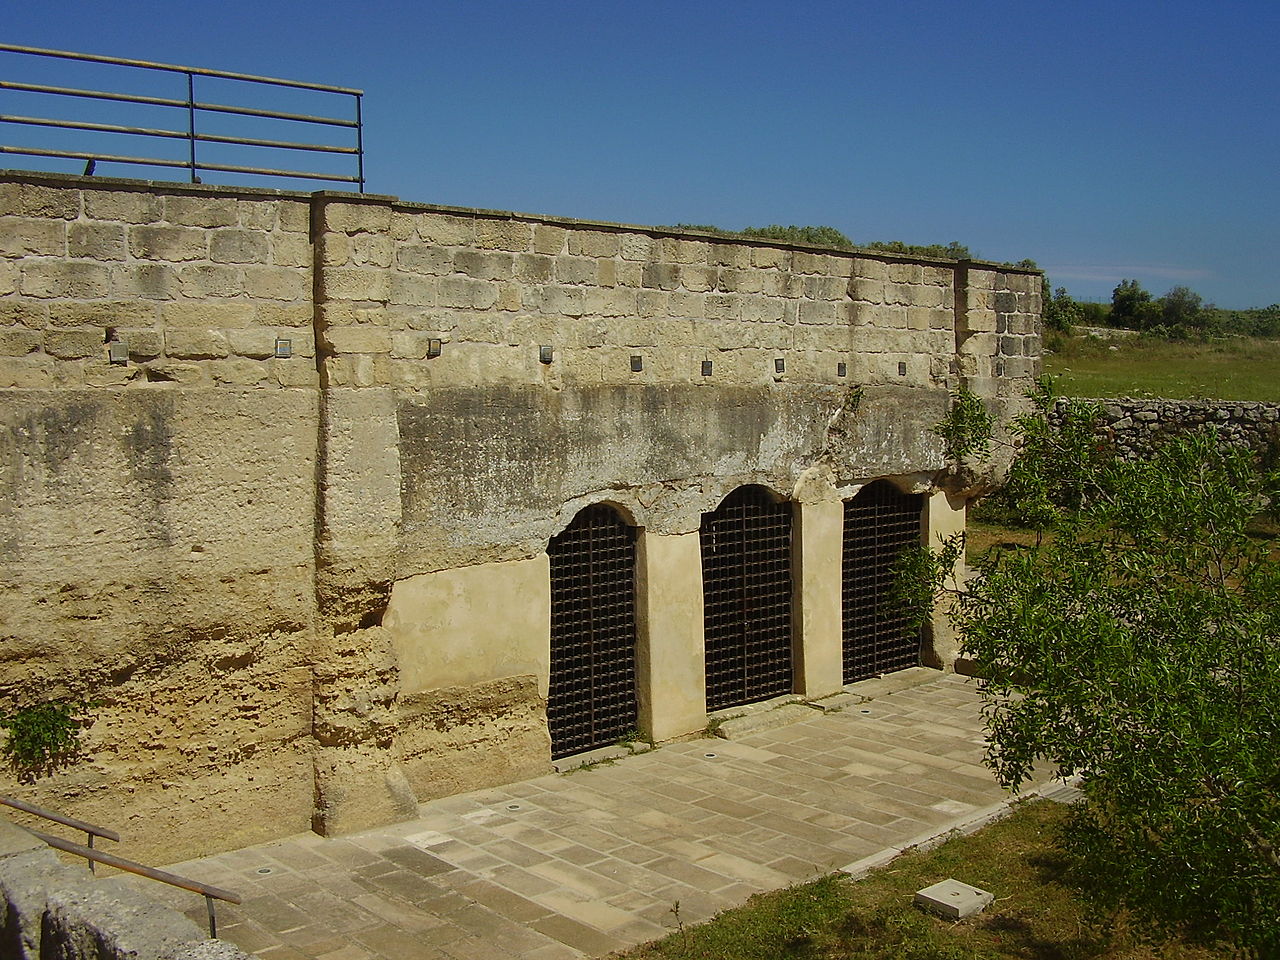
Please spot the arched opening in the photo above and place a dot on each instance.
(879, 523)
(746, 578)
(591, 701)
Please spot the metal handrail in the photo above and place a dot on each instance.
(208, 891)
(91, 830)
(192, 109)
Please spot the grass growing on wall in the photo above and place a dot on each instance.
(1239, 368)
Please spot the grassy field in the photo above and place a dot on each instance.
(1038, 912)
(1234, 369)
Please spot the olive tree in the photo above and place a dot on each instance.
(1136, 643)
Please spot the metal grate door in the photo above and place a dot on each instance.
(879, 523)
(592, 698)
(746, 577)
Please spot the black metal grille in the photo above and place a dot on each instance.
(746, 577)
(592, 698)
(879, 523)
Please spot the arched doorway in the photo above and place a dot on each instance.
(879, 523)
(591, 701)
(746, 578)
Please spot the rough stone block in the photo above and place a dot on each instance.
(92, 923)
(548, 239)
(96, 241)
(699, 279)
(354, 218)
(533, 266)
(74, 344)
(277, 283)
(294, 216)
(208, 315)
(202, 211)
(291, 249)
(483, 265)
(150, 281)
(126, 207)
(414, 290)
(143, 344)
(563, 301)
(467, 293)
(30, 200)
(513, 235)
(238, 246)
(803, 261)
(372, 250)
(210, 280)
(28, 871)
(32, 371)
(22, 237)
(660, 276)
(575, 270)
(953, 899)
(212, 950)
(358, 339)
(238, 371)
(421, 258)
(632, 246)
(356, 283)
(65, 278)
(592, 243)
(173, 244)
(28, 313)
(196, 344)
(19, 341)
(255, 342)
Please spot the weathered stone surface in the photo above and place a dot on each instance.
(120, 924)
(29, 872)
(309, 594)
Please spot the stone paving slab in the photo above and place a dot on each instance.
(585, 863)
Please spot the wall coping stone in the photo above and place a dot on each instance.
(77, 181)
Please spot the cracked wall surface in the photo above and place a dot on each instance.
(295, 545)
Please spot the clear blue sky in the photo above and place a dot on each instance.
(1103, 140)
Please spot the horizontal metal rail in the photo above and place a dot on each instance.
(192, 109)
(173, 134)
(176, 68)
(92, 829)
(168, 102)
(208, 891)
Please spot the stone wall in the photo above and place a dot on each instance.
(1136, 427)
(280, 471)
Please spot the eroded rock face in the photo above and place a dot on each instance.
(294, 549)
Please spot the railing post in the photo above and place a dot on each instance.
(359, 143)
(191, 123)
(90, 846)
(213, 919)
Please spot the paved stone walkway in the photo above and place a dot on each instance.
(594, 861)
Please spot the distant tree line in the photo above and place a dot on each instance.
(1181, 314)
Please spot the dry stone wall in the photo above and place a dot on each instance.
(269, 460)
(1136, 427)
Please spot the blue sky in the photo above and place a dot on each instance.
(1103, 140)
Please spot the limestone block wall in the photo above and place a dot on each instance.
(312, 590)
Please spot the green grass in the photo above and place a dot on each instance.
(1038, 912)
(1234, 369)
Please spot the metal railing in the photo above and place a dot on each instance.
(194, 113)
(208, 891)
